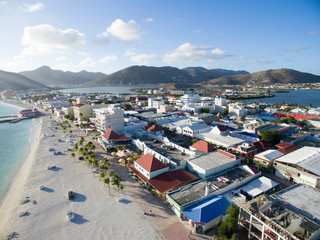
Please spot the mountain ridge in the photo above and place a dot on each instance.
(46, 75)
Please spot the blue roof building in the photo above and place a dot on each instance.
(207, 213)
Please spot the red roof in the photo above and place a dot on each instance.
(150, 163)
(154, 128)
(262, 145)
(203, 146)
(80, 105)
(222, 128)
(110, 135)
(230, 155)
(286, 148)
(173, 179)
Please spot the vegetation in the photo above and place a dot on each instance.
(272, 136)
(229, 225)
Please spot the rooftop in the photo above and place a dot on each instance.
(195, 191)
(306, 157)
(303, 199)
(219, 140)
(150, 163)
(213, 159)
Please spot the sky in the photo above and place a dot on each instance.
(107, 36)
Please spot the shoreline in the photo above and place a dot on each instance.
(98, 215)
(11, 198)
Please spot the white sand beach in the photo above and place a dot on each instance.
(98, 215)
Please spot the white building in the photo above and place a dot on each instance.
(109, 118)
(155, 103)
(237, 110)
(190, 98)
(300, 166)
(220, 101)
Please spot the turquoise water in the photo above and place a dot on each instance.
(14, 144)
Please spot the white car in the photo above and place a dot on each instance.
(70, 215)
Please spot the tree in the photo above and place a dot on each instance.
(226, 110)
(127, 106)
(230, 222)
(107, 181)
(272, 136)
(205, 110)
(73, 155)
(102, 175)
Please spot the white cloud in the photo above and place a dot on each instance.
(60, 59)
(33, 7)
(100, 40)
(296, 49)
(149, 20)
(110, 58)
(189, 53)
(4, 4)
(218, 53)
(130, 52)
(124, 31)
(87, 62)
(44, 39)
(142, 59)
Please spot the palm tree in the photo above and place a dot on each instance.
(73, 155)
(102, 175)
(107, 181)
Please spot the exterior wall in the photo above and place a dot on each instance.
(156, 173)
(85, 110)
(142, 170)
(112, 119)
(67, 110)
(296, 175)
(212, 223)
(206, 173)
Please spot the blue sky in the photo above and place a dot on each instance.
(106, 36)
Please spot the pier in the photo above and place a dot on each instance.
(12, 118)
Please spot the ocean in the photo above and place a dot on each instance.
(109, 89)
(15, 141)
(300, 97)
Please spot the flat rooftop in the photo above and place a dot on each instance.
(211, 160)
(197, 190)
(225, 141)
(303, 199)
(174, 153)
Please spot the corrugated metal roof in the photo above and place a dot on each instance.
(306, 157)
(207, 210)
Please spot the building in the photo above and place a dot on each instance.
(237, 110)
(202, 146)
(155, 130)
(82, 110)
(266, 158)
(109, 118)
(206, 189)
(29, 113)
(149, 166)
(300, 166)
(190, 98)
(206, 213)
(213, 163)
(268, 218)
(110, 139)
(155, 103)
(246, 149)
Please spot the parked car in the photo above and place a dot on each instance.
(163, 145)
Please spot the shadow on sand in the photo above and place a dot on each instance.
(78, 197)
(78, 219)
(125, 201)
(55, 169)
(46, 189)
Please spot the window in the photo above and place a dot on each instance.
(298, 174)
